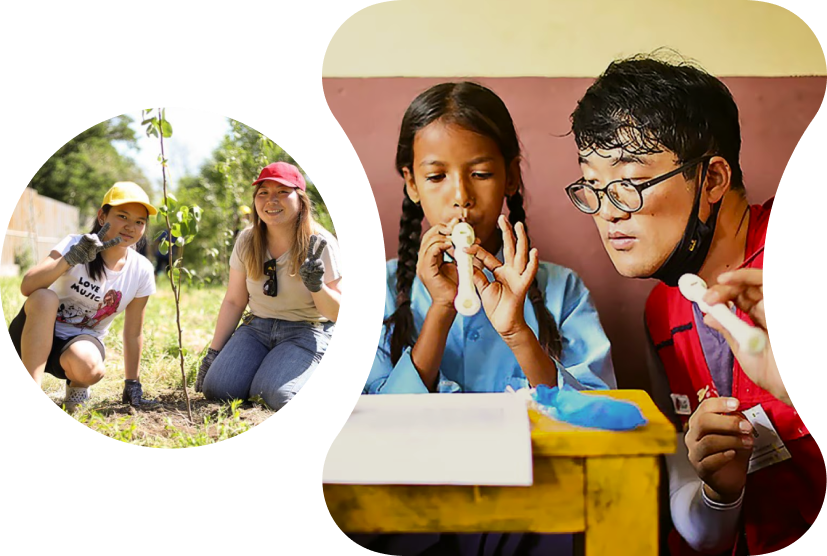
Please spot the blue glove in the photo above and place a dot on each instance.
(571, 406)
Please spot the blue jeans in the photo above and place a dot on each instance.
(269, 359)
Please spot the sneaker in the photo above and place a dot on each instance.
(75, 397)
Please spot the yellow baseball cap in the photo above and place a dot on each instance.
(125, 192)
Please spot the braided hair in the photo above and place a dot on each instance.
(478, 109)
(400, 324)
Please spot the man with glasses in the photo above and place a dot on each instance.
(659, 147)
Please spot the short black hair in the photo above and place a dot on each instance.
(645, 104)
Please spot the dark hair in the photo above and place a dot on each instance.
(96, 267)
(644, 104)
(478, 109)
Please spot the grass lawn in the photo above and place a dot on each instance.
(167, 426)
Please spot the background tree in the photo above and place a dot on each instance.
(83, 169)
(224, 186)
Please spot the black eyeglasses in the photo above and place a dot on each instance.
(271, 286)
(623, 194)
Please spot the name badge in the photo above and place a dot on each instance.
(681, 404)
(768, 448)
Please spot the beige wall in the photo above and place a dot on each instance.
(568, 38)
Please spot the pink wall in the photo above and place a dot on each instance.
(774, 114)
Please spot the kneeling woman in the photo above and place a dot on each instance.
(76, 292)
(285, 268)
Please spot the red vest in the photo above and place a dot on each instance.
(780, 501)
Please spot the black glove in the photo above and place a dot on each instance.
(85, 250)
(133, 394)
(312, 270)
(205, 366)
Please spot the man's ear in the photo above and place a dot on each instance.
(410, 185)
(718, 179)
(514, 178)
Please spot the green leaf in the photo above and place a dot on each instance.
(171, 196)
(166, 128)
(179, 216)
(176, 351)
(180, 242)
(164, 247)
(159, 234)
(185, 229)
(176, 230)
(196, 210)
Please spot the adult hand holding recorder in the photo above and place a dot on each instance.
(745, 289)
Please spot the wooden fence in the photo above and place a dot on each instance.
(36, 225)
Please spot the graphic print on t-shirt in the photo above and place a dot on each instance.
(83, 314)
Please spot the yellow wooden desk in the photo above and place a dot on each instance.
(601, 483)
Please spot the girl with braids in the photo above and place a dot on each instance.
(459, 156)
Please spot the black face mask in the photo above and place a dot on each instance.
(690, 253)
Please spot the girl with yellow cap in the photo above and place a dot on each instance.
(75, 293)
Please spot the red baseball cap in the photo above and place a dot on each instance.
(283, 173)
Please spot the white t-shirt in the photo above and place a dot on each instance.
(293, 301)
(88, 306)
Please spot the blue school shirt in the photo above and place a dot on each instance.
(476, 359)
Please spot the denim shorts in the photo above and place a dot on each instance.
(267, 360)
(59, 345)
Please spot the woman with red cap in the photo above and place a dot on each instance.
(75, 293)
(285, 269)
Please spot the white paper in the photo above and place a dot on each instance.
(434, 439)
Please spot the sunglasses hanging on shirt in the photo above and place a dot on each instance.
(271, 286)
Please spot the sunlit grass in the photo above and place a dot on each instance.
(160, 375)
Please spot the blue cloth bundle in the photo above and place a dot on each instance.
(571, 406)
